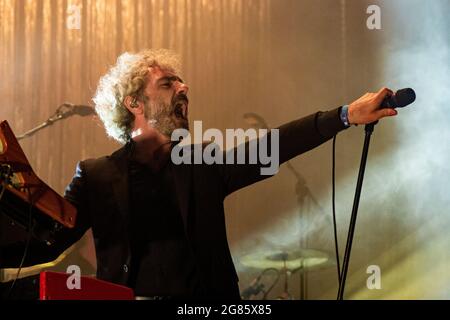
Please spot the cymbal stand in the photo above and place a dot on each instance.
(287, 274)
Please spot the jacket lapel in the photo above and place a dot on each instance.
(182, 175)
(119, 181)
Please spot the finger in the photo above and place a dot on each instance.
(385, 113)
(382, 94)
(385, 89)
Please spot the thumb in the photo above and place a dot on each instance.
(385, 113)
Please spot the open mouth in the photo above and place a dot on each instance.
(181, 109)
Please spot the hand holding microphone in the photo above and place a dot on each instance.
(374, 106)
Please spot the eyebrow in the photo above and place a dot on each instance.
(170, 78)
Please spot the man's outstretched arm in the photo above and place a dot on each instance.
(302, 135)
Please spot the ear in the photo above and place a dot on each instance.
(133, 105)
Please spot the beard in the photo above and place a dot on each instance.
(166, 118)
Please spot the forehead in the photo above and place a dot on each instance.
(156, 72)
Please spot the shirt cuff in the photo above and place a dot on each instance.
(329, 123)
(344, 116)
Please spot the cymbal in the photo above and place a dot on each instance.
(303, 259)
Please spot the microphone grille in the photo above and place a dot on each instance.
(403, 97)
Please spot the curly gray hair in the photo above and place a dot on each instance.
(128, 77)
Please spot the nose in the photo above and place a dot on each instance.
(182, 88)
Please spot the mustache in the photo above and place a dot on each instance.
(180, 98)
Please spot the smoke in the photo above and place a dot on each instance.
(421, 59)
(406, 197)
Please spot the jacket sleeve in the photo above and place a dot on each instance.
(39, 252)
(295, 138)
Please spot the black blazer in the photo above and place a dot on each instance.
(99, 190)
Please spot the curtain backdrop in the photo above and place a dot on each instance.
(281, 59)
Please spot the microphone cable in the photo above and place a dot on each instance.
(333, 196)
(266, 293)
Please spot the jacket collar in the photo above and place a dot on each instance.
(119, 180)
(182, 175)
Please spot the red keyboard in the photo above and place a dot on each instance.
(54, 286)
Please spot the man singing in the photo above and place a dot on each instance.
(159, 227)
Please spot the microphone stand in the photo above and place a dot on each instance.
(351, 230)
(58, 115)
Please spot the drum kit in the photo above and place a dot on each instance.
(284, 263)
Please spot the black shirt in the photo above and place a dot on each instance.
(162, 262)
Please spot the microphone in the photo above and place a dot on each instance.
(79, 109)
(254, 288)
(64, 111)
(400, 99)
